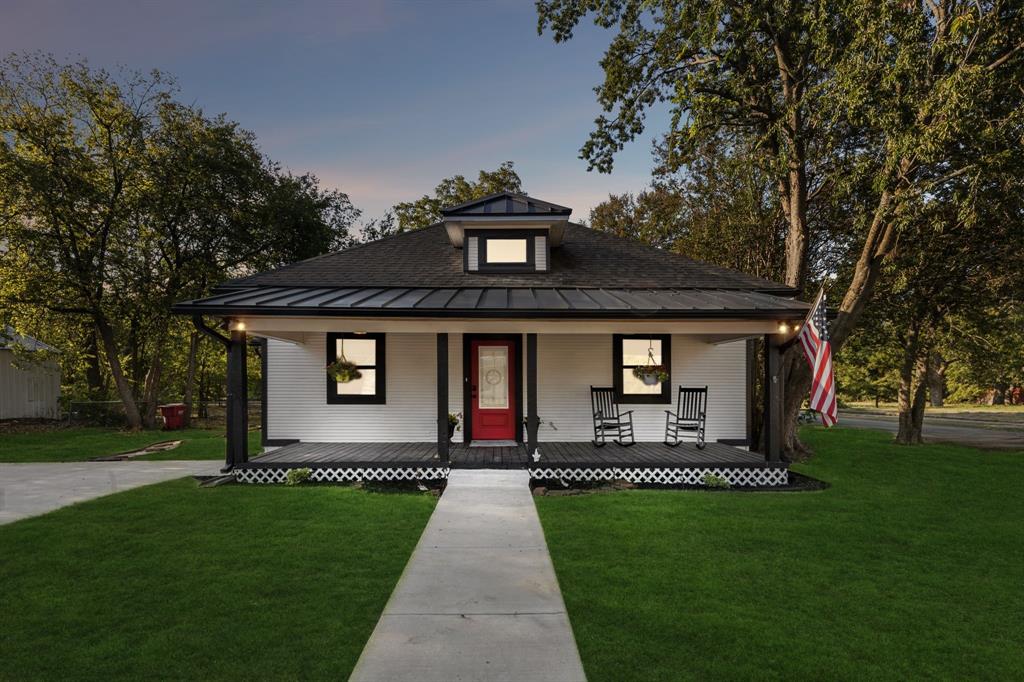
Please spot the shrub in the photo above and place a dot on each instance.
(713, 481)
(298, 476)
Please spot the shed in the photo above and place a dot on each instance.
(28, 389)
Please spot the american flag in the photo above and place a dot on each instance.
(818, 351)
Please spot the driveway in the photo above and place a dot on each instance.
(32, 489)
(942, 430)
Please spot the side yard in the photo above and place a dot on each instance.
(76, 444)
(909, 566)
(177, 582)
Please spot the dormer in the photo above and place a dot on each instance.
(506, 232)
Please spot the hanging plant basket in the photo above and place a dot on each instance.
(651, 375)
(342, 371)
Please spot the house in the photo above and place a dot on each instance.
(506, 313)
(29, 388)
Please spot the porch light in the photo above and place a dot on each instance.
(237, 326)
(360, 333)
(783, 327)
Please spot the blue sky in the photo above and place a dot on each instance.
(380, 100)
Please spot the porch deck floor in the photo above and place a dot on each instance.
(506, 457)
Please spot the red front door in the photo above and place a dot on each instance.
(492, 384)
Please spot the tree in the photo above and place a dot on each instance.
(116, 201)
(426, 210)
(878, 95)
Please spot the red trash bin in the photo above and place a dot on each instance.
(174, 416)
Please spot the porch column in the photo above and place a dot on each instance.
(774, 389)
(237, 401)
(532, 420)
(442, 397)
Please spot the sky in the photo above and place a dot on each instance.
(380, 100)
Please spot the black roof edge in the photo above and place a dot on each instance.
(555, 208)
(232, 285)
(226, 311)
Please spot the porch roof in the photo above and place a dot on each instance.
(495, 302)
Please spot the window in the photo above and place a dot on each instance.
(506, 251)
(366, 351)
(634, 350)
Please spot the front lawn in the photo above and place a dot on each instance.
(910, 566)
(76, 444)
(177, 582)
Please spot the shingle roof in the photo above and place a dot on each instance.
(587, 258)
(496, 302)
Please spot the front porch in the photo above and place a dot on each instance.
(571, 461)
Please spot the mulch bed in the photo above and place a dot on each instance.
(555, 487)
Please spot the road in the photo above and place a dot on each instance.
(938, 429)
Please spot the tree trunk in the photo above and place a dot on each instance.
(913, 388)
(999, 393)
(798, 384)
(124, 389)
(93, 369)
(204, 409)
(937, 379)
(190, 376)
(150, 396)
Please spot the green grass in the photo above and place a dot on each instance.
(910, 566)
(177, 582)
(77, 444)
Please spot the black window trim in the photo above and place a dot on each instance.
(483, 235)
(380, 397)
(663, 398)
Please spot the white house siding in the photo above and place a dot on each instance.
(297, 395)
(28, 391)
(568, 364)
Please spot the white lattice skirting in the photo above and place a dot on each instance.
(737, 476)
(345, 474)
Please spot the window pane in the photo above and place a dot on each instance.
(506, 250)
(634, 351)
(493, 378)
(633, 386)
(364, 385)
(359, 351)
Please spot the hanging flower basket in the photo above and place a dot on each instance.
(651, 375)
(342, 371)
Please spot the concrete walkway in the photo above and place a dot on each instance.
(479, 599)
(32, 489)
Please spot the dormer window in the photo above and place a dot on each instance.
(506, 232)
(506, 251)
(499, 251)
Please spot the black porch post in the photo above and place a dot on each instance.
(532, 420)
(442, 397)
(774, 389)
(237, 402)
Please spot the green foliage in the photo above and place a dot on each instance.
(298, 476)
(116, 200)
(659, 371)
(413, 215)
(713, 481)
(78, 444)
(342, 371)
(186, 574)
(872, 554)
(862, 128)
